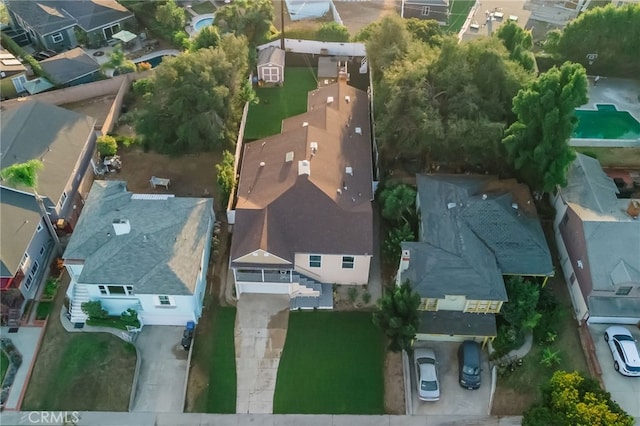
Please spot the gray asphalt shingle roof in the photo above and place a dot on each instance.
(20, 215)
(69, 66)
(160, 255)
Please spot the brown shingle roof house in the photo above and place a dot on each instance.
(303, 216)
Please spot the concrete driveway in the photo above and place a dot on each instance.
(260, 333)
(624, 390)
(163, 369)
(454, 400)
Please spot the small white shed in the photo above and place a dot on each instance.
(271, 65)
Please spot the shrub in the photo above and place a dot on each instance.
(550, 358)
(94, 310)
(50, 288)
(107, 145)
(125, 141)
(332, 31)
(366, 297)
(144, 66)
(353, 294)
(505, 341)
(142, 86)
(130, 317)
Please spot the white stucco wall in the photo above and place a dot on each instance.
(452, 303)
(331, 270)
(263, 288)
(182, 310)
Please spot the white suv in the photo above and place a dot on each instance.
(626, 359)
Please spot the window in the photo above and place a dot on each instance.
(483, 306)
(57, 37)
(34, 268)
(42, 249)
(426, 10)
(28, 282)
(129, 289)
(315, 261)
(103, 289)
(347, 262)
(110, 31)
(623, 291)
(271, 74)
(116, 289)
(39, 228)
(63, 199)
(18, 83)
(25, 259)
(572, 278)
(165, 301)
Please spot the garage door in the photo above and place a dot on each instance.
(180, 320)
(446, 338)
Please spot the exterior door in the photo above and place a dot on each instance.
(18, 83)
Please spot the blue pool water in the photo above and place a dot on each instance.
(205, 22)
(606, 123)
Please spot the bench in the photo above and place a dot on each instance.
(156, 181)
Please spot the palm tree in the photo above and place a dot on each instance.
(26, 174)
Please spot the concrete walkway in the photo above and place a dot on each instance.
(27, 341)
(260, 333)
(97, 418)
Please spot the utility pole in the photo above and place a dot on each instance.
(282, 24)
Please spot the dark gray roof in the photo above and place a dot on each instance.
(327, 67)
(457, 323)
(500, 214)
(48, 16)
(160, 255)
(271, 54)
(54, 135)
(20, 215)
(69, 66)
(434, 272)
(588, 185)
(619, 306)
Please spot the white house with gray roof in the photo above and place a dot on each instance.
(598, 238)
(148, 252)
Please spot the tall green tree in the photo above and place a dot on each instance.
(518, 42)
(332, 31)
(195, 99)
(398, 203)
(593, 31)
(520, 311)
(396, 235)
(426, 30)
(397, 316)
(171, 16)
(569, 399)
(251, 18)
(225, 176)
(390, 40)
(22, 174)
(206, 37)
(538, 142)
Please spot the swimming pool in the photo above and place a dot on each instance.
(606, 123)
(204, 22)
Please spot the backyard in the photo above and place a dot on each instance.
(212, 379)
(276, 103)
(459, 12)
(332, 363)
(80, 371)
(203, 7)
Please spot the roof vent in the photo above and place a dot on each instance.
(304, 168)
(580, 264)
(339, 191)
(358, 130)
(514, 206)
(633, 209)
(349, 171)
(484, 196)
(262, 164)
(288, 157)
(329, 99)
(305, 124)
(347, 99)
(313, 146)
(121, 226)
(451, 205)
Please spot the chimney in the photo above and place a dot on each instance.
(121, 226)
(304, 168)
(404, 260)
(633, 209)
(288, 157)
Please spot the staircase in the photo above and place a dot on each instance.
(311, 294)
(13, 320)
(80, 295)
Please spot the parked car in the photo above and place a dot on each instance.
(626, 359)
(426, 374)
(469, 360)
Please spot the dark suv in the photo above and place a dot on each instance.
(469, 364)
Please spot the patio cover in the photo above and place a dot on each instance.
(124, 36)
(37, 85)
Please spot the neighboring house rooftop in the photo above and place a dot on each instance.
(54, 135)
(20, 215)
(49, 16)
(589, 186)
(9, 64)
(161, 253)
(69, 66)
(309, 189)
(462, 213)
(271, 54)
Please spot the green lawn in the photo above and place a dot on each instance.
(332, 363)
(459, 12)
(277, 103)
(214, 360)
(204, 7)
(4, 365)
(613, 157)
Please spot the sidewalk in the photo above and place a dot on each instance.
(96, 418)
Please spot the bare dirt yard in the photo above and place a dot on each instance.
(356, 15)
(393, 384)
